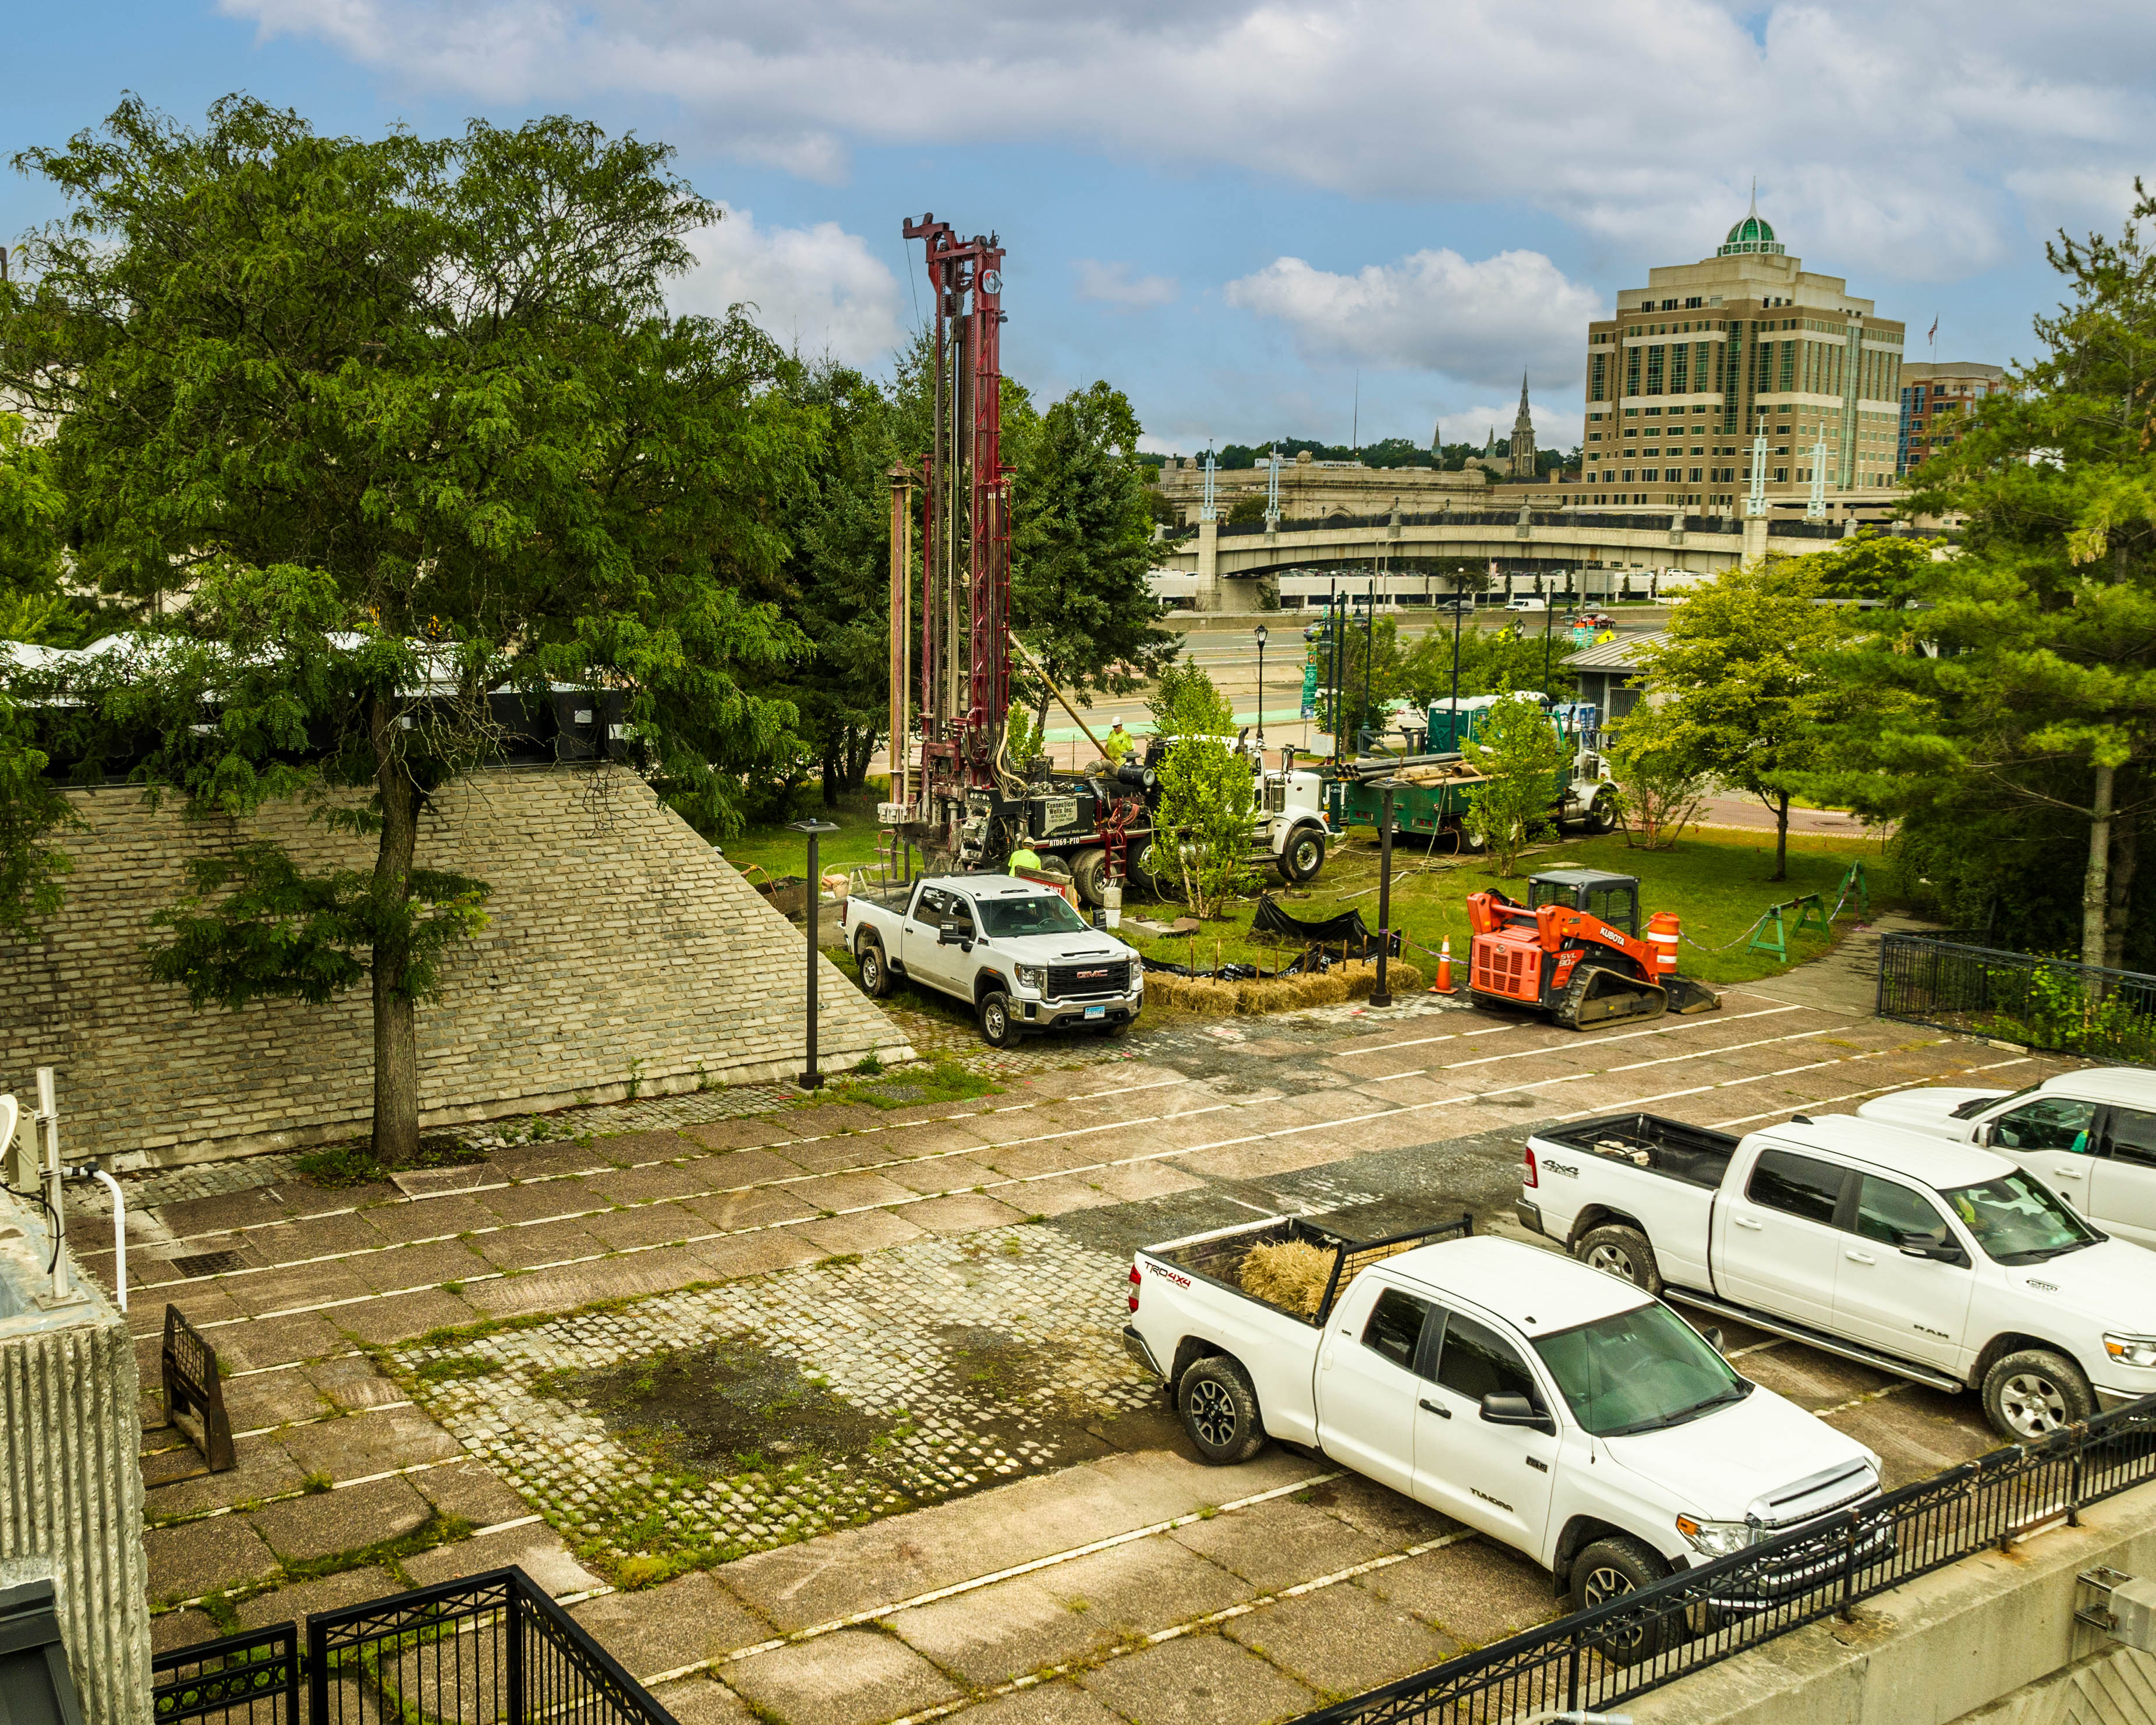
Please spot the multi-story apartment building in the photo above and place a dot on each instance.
(1935, 401)
(1710, 357)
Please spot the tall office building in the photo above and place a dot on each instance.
(1936, 399)
(1694, 365)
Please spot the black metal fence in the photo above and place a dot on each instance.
(1640, 1640)
(1954, 982)
(489, 1649)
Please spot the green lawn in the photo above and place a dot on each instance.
(1717, 883)
(780, 852)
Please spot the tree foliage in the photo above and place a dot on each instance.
(1208, 806)
(1661, 788)
(1518, 752)
(408, 420)
(1187, 702)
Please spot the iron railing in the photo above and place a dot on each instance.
(1954, 982)
(1640, 1640)
(488, 1650)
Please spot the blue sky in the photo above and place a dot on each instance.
(1232, 210)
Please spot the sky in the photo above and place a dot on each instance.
(1337, 221)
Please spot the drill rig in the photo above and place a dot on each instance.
(961, 800)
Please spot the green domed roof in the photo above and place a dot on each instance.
(1751, 234)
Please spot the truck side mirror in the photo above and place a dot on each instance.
(1509, 1407)
(947, 936)
(1939, 1251)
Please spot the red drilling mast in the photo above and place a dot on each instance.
(965, 537)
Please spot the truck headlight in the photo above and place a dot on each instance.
(1032, 976)
(2132, 1350)
(1137, 979)
(1717, 1539)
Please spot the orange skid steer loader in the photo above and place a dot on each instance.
(1573, 950)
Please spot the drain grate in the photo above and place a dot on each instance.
(208, 1263)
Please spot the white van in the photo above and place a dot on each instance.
(1527, 604)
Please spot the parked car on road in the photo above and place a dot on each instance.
(1564, 1412)
(1013, 950)
(1941, 1263)
(2090, 1135)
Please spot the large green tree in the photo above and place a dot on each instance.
(1743, 672)
(2008, 695)
(407, 422)
(1081, 542)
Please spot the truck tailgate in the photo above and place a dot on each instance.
(1660, 1176)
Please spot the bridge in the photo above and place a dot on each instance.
(1601, 551)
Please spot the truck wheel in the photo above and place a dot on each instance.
(998, 1028)
(1601, 814)
(875, 973)
(1473, 841)
(1608, 1569)
(1303, 857)
(2030, 1393)
(1139, 862)
(1219, 1410)
(1089, 874)
(1621, 1251)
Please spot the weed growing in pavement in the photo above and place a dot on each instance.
(907, 1087)
(870, 1065)
(220, 1610)
(438, 1529)
(635, 1080)
(451, 1367)
(346, 1165)
(315, 1484)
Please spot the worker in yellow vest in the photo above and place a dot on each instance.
(1116, 744)
(1024, 857)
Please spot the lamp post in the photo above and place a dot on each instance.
(1260, 631)
(811, 1079)
(1381, 996)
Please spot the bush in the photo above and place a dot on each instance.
(1660, 791)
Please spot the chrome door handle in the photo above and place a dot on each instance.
(2067, 1174)
(1859, 1258)
(1744, 1222)
(1431, 1407)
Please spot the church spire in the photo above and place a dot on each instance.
(1523, 463)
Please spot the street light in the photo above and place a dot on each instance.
(811, 1079)
(1381, 996)
(1260, 631)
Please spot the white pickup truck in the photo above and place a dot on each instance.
(2090, 1135)
(1941, 1263)
(1556, 1409)
(1013, 950)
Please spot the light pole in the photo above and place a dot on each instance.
(1260, 631)
(811, 1079)
(1381, 996)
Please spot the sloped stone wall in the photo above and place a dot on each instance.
(620, 949)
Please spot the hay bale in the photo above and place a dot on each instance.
(1327, 990)
(1291, 1274)
(1360, 978)
(1202, 994)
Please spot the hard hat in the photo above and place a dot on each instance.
(1115, 724)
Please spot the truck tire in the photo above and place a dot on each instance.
(1608, 1569)
(1138, 860)
(1601, 814)
(1622, 1251)
(998, 1028)
(1220, 1411)
(1089, 874)
(875, 968)
(1302, 856)
(2033, 1392)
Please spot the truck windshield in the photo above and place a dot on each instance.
(1976, 1105)
(1045, 914)
(2016, 1219)
(1639, 1371)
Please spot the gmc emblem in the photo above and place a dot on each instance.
(1085, 976)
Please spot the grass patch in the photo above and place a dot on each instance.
(944, 1081)
(778, 852)
(346, 1165)
(1716, 881)
(452, 1368)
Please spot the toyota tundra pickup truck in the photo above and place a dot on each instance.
(1941, 1263)
(2090, 1135)
(1013, 950)
(1562, 1411)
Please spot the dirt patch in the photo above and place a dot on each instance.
(726, 1409)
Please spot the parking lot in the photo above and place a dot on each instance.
(819, 1414)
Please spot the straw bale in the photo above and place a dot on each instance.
(1289, 1274)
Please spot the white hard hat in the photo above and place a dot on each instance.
(1115, 724)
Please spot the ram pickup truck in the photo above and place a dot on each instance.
(1559, 1410)
(1941, 1263)
(1013, 950)
(2090, 1135)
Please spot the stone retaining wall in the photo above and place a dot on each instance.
(621, 950)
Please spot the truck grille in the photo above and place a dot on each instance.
(1104, 976)
(1506, 968)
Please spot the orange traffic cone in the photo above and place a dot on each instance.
(1444, 983)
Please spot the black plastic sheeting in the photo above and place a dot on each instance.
(1348, 929)
(1349, 934)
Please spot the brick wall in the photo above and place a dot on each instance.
(616, 934)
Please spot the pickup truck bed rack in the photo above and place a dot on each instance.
(1218, 1257)
(1693, 1154)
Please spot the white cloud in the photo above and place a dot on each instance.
(1113, 284)
(1637, 120)
(819, 288)
(1433, 311)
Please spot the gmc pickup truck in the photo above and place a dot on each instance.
(1013, 950)
(2090, 1137)
(1560, 1410)
(1941, 1263)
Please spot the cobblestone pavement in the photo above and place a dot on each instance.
(785, 1319)
(973, 1360)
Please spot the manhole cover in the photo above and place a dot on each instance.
(208, 1263)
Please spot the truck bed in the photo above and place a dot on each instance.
(1218, 1257)
(1694, 1154)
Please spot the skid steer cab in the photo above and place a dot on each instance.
(1574, 951)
